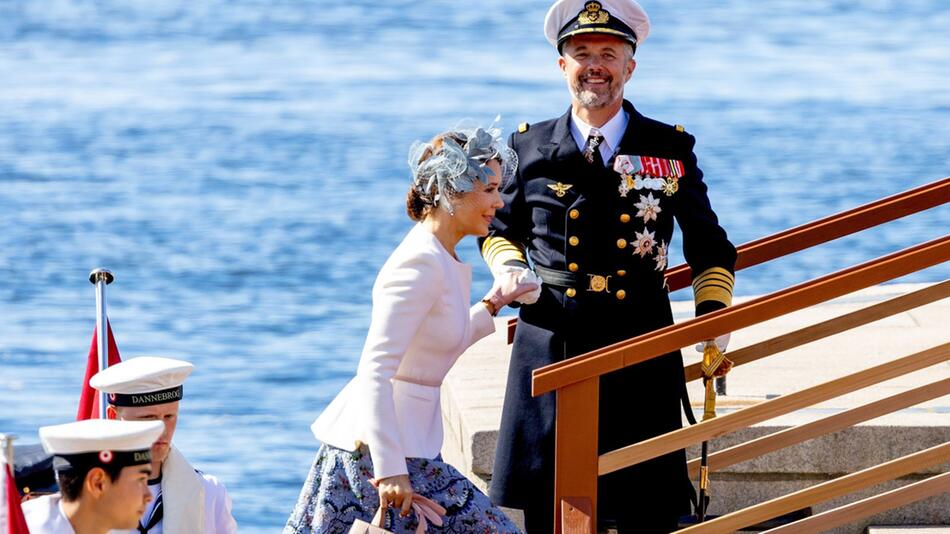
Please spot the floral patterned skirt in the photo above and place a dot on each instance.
(337, 492)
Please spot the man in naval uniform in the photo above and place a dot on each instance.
(185, 500)
(592, 209)
(102, 467)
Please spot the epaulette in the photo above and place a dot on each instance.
(523, 127)
(679, 128)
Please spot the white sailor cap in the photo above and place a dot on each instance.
(143, 381)
(100, 442)
(622, 18)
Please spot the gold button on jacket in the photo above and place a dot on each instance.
(574, 214)
(621, 243)
(574, 241)
(573, 267)
(570, 292)
(625, 217)
(621, 294)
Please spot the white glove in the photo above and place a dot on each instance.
(722, 342)
(525, 276)
(514, 283)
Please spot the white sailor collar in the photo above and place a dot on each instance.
(612, 131)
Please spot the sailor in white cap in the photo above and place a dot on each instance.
(592, 211)
(102, 467)
(150, 389)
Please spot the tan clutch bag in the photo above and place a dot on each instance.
(376, 527)
(426, 511)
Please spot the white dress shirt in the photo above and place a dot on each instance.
(612, 131)
(421, 323)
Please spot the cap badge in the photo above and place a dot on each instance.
(105, 456)
(112, 397)
(593, 13)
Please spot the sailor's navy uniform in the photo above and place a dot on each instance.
(185, 500)
(77, 448)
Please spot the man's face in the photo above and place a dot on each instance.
(596, 67)
(123, 500)
(166, 413)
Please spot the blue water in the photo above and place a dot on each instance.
(240, 166)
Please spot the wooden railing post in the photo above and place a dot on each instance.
(575, 458)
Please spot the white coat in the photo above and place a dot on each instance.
(421, 323)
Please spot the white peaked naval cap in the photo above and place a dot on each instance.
(143, 381)
(621, 18)
(98, 442)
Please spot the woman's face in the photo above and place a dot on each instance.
(475, 210)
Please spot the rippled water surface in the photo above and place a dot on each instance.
(240, 166)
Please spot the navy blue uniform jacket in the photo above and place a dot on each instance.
(563, 213)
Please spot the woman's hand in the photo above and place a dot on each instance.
(395, 491)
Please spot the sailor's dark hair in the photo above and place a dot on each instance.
(72, 480)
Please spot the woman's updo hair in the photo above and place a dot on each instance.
(449, 164)
(417, 205)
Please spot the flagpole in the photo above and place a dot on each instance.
(7, 440)
(101, 278)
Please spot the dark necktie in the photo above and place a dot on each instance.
(592, 150)
(157, 513)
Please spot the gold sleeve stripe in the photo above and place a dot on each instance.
(717, 273)
(714, 293)
(497, 244)
(715, 284)
(499, 247)
(498, 250)
(503, 257)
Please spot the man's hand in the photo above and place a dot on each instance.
(522, 276)
(514, 284)
(722, 342)
(394, 491)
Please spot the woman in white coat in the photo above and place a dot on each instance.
(382, 434)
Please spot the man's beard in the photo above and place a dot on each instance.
(592, 99)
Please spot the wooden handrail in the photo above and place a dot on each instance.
(820, 231)
(673, 337)
(829, 228)
(576, 380)
(830, 327)
(824, 491)
(730, 422)
(885, 501)
(790, 436)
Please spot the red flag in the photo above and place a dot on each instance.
(16, 523)
(89, 398)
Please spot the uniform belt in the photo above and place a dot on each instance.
(589, 282)
(556, 277)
